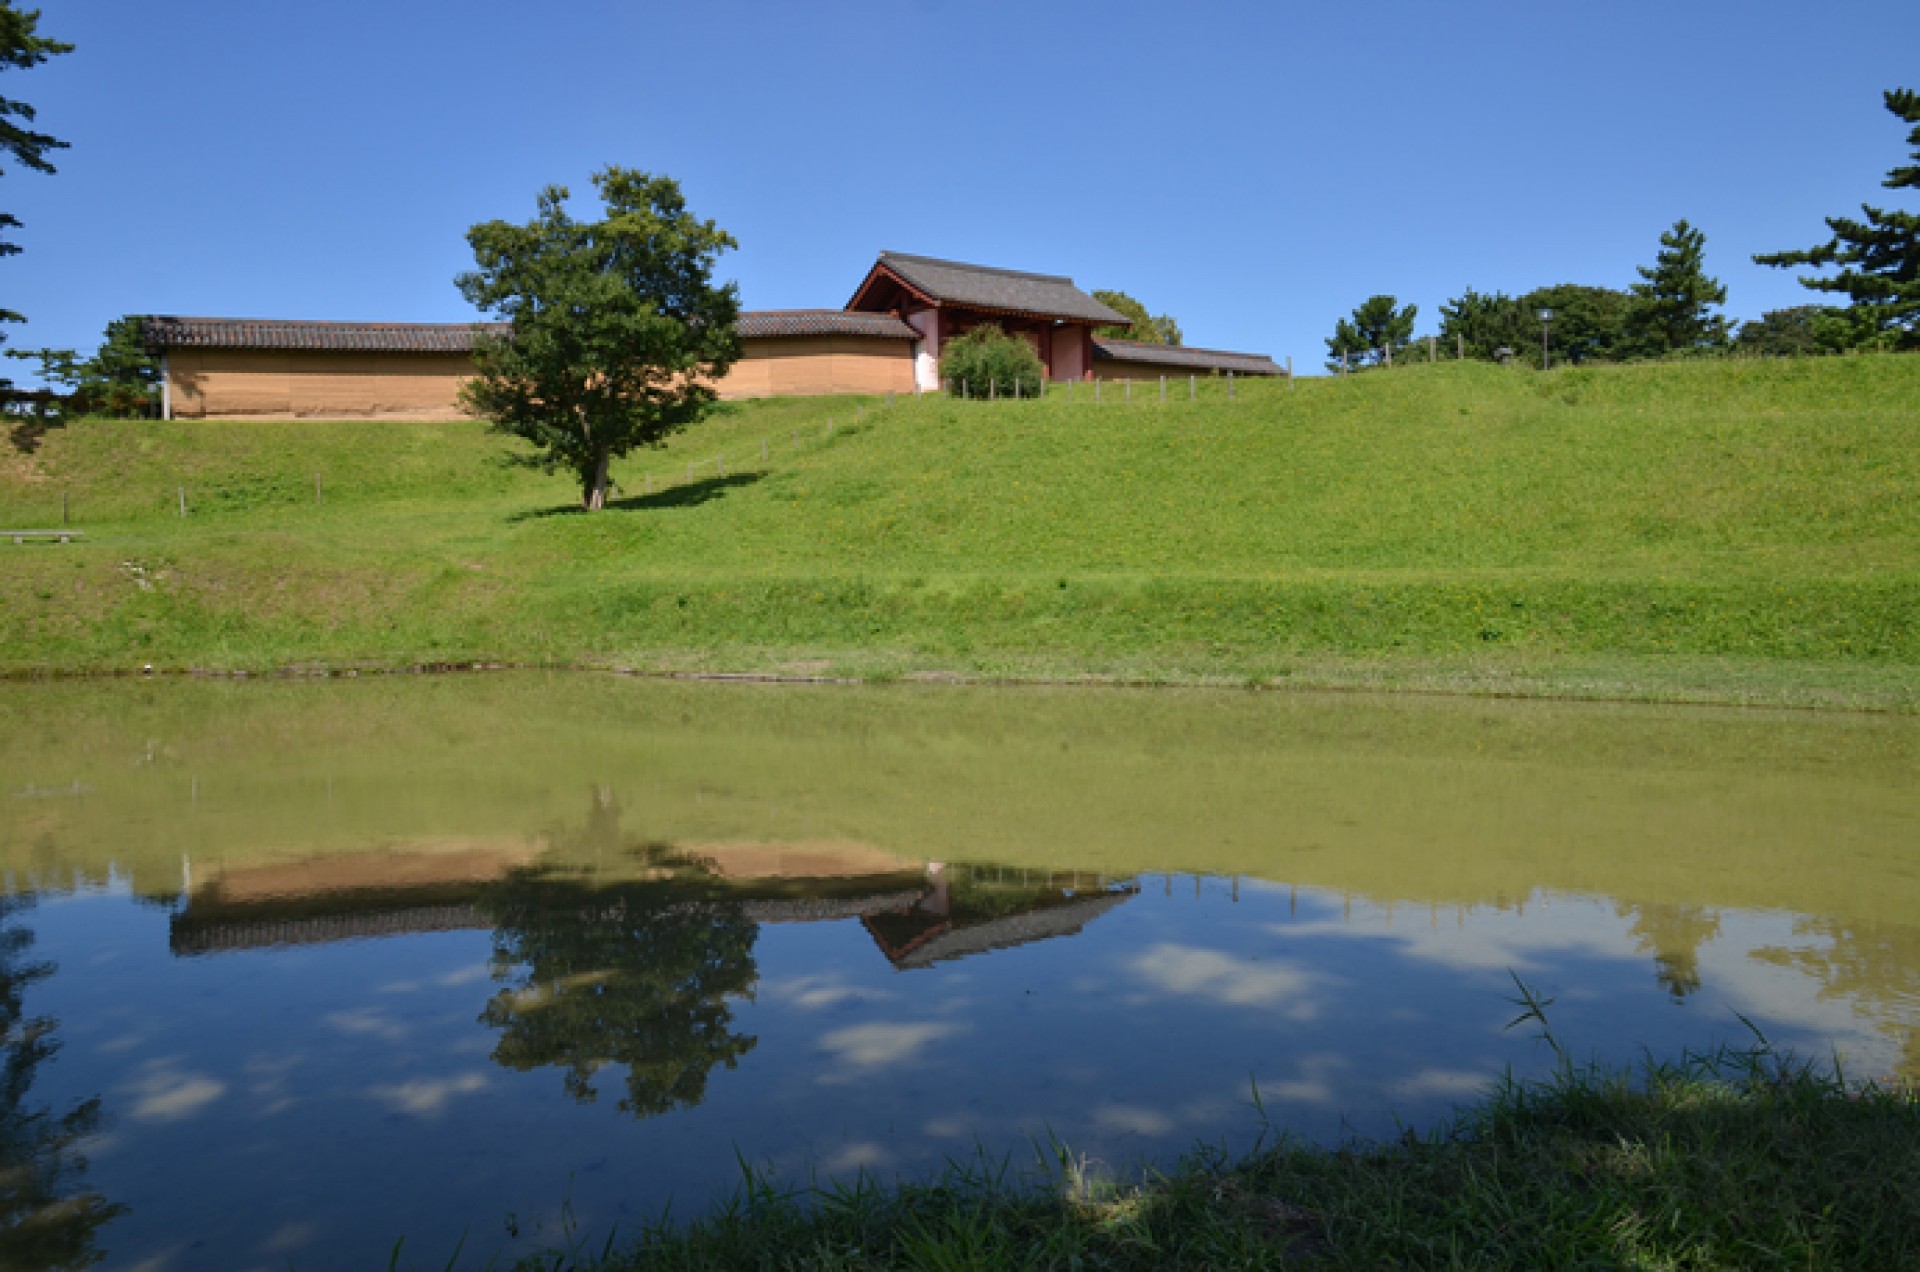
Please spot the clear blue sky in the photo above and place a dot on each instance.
(1254, 169)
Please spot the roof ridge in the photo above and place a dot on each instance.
(978, 269)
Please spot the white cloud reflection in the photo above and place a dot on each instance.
(1203, 973)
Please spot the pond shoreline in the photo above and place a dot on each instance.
(1877, 690)
(1737, 1158)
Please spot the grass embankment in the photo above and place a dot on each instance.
(1730, 1161)
(1731, 531)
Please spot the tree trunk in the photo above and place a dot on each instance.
(594, 498)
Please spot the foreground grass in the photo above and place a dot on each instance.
(1734, 1160)
(1742, 531)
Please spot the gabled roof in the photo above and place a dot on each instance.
(1005, 291)
(168, 332)
(1180, 358)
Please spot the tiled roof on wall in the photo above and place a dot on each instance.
(822, 322)
(1007, 290)
(1179, 358)
(167, 332)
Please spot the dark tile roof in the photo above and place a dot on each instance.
(1179, 358)
(167, 332)
(1009, 291)
(823, 322)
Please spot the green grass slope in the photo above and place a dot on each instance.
(1731, 530)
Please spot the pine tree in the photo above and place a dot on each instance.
(22, 47)
(1878, 256)
(1372, 334)
(1669, 313)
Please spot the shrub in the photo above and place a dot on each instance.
(988, 360)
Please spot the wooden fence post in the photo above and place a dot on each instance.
(1193, 387)
(316, 488)
(1431, 355)
(183, 503)
(1129, 388)
(1229, 386)
(1460, 345)
(1289, 370)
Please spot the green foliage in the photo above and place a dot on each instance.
(618, 330)
(1671, 302)
(1486, 323)
(1589, 323)
(1148, 328)
(1732, 1159)
(1797, 332)
(989, 362)
(121, 380)
(640, 975)
(1376, 330)
(22, 47)
(1878, 255)
(1718, 528)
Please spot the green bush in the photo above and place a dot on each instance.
(988, 362)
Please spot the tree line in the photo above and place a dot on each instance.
(1671, 311)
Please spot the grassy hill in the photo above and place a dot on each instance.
(1734, 530)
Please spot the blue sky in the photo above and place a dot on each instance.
(1254, 169)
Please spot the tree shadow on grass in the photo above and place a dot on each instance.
(684, 495)
(25, 433)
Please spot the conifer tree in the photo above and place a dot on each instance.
(1377, 329)
(22, 47)
(1669, 313)
(1878, 255)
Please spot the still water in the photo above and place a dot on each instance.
(291, 971)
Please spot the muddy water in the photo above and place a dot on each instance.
(517, 958)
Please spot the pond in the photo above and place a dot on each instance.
(295, 970)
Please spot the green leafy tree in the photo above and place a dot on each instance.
(1484, 322)
(638, 975)
(618, 331)
(121, 379)
(1150, 328)
(1375, 331)
(1589, 323)
(22, 48)
(1878, 255)
(1798, 332)
(1673, 298)
(988, 361)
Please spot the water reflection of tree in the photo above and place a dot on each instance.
(1876, 965)
(1673, 934)
(631, 973)
(47, 1220)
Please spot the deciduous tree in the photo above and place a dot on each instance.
(1150, 328)
(1878, 255)
(618, 330)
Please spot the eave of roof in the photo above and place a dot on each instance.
(985, 287)
(1184, 357)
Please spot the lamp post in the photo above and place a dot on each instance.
(1546, 322)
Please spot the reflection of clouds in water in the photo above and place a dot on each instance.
(290, 1237)
(1489, 939)
(428, 1097)
(948, 1128)
(873, 1046)
(1311, 1082)
(450, 980)
(1185, 969)
(125, 1042)
(818, 993)
(864, 1155)
(165, 1094)
(1450, 1083)
(1131, 1119)
(368, 1021)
